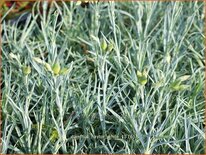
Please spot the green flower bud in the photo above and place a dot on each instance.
(184, 77)
(13, 56)
(56, 68)
(38, 60)
(144, 73)
(139, 74)
(64, 71)
(175, 86)
(26, 70)
(54, 135)
(142, 77)
(142, 80)
(104, 44)
(48, 67)
(110, 47)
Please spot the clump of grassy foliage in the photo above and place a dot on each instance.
(109, 78)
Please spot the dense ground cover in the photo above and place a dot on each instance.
(108, 78)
